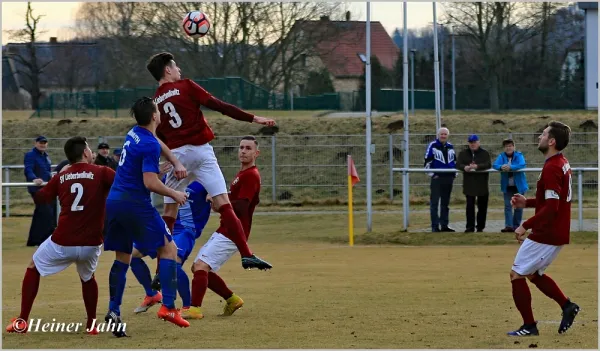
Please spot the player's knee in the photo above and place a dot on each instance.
(514, 276)
(31, 265)
(220, 200)
(123, 257)
(136, 254)
(168, 251)
(171, 210)
(200, 266)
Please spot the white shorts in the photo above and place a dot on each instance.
(534, 257)
(202, 166)
(217, 250)
(51, 258)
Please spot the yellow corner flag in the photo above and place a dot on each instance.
(352, 180)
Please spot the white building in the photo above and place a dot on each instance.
(591, 54)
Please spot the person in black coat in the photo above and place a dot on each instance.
(104, 158)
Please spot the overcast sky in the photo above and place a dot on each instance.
(61, 15)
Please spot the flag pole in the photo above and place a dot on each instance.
(350, 212)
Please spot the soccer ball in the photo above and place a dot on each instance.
(196, 24)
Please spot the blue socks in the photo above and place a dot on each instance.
(116, 283)
(142, 273)
(183, 286)
(168, 279)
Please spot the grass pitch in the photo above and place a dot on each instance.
(452, 293)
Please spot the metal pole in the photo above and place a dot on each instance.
(7, 192)
(580, 198)
(442, 69)
(412, 79)
(436, 71)
(391, 153)
(405, 184)
(368, 122)
(453, 74)
(273, 171)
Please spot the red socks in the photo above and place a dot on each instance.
(29, 290)
(199, 286)
(235, 231)
(522, 296)
(550, 289)
(216, 284)
(90, 299)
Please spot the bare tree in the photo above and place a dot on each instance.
(28, 64)
(495, 29)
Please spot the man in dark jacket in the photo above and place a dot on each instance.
(440, 155)
(38, 170)
(103, 158)
(474, 161)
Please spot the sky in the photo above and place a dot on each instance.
(59, 16)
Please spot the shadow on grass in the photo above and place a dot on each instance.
(450, 239)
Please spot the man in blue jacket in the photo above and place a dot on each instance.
(511, 183)
(440, 155)
(37, 170)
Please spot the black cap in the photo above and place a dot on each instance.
(41, 138)
(103, 146)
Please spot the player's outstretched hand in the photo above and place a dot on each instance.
(179, 197)
(518, 201)
(262, 120)
(180, 171)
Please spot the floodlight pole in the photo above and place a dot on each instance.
(369, 145)
(436, 70)
(405, 183)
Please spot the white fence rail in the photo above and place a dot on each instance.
(405, 173)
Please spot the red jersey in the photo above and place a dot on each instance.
(244, 196)
(181, 119)
(551, 223)
(82, 190)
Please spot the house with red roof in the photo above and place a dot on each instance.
(340, 47)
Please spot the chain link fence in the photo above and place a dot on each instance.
(311, 169)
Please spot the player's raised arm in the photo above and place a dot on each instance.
(48, 193)
(206, 99)
(180, 171)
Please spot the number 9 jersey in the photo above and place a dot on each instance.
(82, 190)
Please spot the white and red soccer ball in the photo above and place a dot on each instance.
(196, 24)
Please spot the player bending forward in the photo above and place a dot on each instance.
(191, 220)
(131, 217)
(245, 190)
(550, 226)
(185, 131)
(82, 189)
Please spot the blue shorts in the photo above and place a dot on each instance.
(127, 222)
(184, 239)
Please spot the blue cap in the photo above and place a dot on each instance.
(117, 152)
(472, 138)
(41, 138)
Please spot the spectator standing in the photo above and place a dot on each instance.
(38, 170)
(440, 155)
(103, 158)
(511, 183)
(117, 156)
(475, 161)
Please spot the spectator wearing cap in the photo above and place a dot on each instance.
(38, 170)
(117, 156)
(511, 182)
(474, 161)
(440, 155)
(103, 157)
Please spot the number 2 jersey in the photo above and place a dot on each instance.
(551, 223)
(181, 119)
(82, 190)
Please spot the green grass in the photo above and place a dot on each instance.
(438, 294)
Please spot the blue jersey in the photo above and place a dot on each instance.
(196, 211)
(141, 154)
